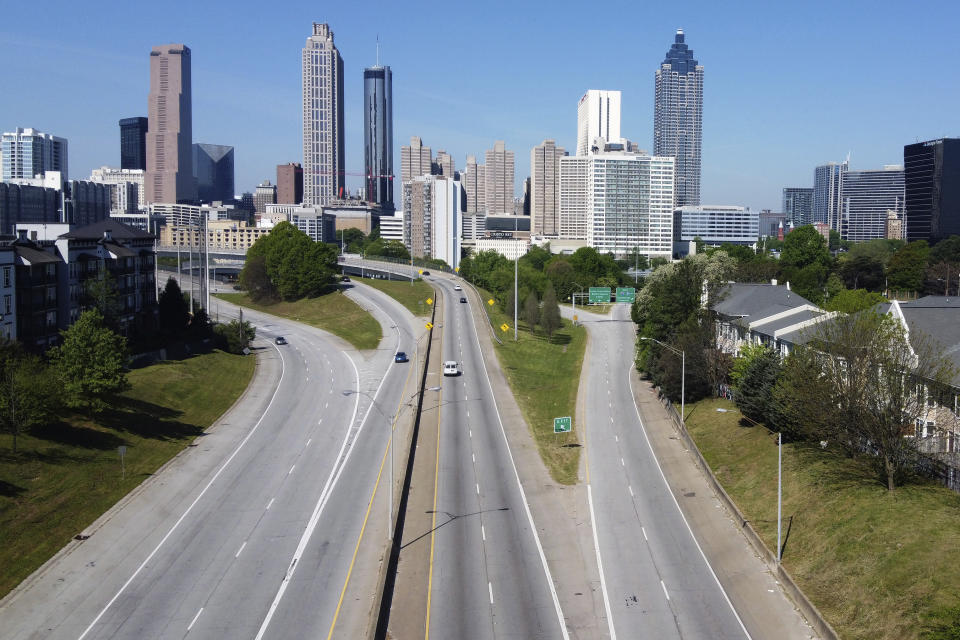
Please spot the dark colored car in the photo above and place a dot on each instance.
(401, 357)
(425, 273)
(344, 279)
(463, 299)
(281, 340)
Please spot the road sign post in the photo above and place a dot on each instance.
(562, 425)
(599, 295)
(122, 450)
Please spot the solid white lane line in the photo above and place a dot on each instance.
(474, 458)
(478, 489)
(468, 414)
(192, 622)
(326, 405)
(631, 490)
(643, 430)
(291, 469)
(471, 433)
(490, 588)
(664, 589)
(240, 550)
(603, 580)
(309, 440)
(622, 463)
(644, 531)
(269, 504)
(616, 438)
(483, 532)
(192, 504)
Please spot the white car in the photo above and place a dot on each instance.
(457, 288)
(450, 368)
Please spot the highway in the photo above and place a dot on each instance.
(656, 581)
(252, 532)
(489, 577)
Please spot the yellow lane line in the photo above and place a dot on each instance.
(376, 486)
(436, 477)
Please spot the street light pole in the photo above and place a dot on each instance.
(516, 262)
(683, 374)
(779, 490)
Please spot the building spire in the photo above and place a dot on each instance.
(378, 49)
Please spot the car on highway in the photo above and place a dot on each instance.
(457, 287)
(401, 357)
(425, 273)
(345, 279)
(463, 300)
(450, 368)
(281, 340)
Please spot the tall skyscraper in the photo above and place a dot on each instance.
(474, 180)
(866, 197)
(133, 143)
(415, 160)
(378, 135)
(290, 183)
(499, 180)
(28, 153)
(678, 118)
(798, 204)
(169, 176)
(213, 169)
(544, 188)
(932, 189)
(598, 115)
(827, 185)
(572, 215)
(443, 165)
(323, 132)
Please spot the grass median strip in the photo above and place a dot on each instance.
(544, 375)
(413, 297)
(333, 312)
(874, 562)
(65, 475)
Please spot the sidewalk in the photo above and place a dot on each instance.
(756, 594)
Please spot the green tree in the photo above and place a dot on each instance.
(941, 275)
(353, 239)
(256, 281)
(862, 272)
(100, 293)
(561, 275)
(173, 309)
(907, 268)
(295, 265)
(91, 362)
(755, 374)
(804, 246)
(29, 390)
(550, 312)
(531, 310)
(235, 336)
(947, 250)
(853, 300)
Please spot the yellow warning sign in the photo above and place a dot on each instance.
(429, 300)
(429, 325)
(504, 327)
(490, 302)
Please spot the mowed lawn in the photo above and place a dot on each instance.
(65, 475)
(413, 297)
(544, 374)
(333, 312)
(875, 563)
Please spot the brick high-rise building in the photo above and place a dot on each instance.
(290, 183)
(545, 188)
(323, 131)
(169, 176)
(415, 160)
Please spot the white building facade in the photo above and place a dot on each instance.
(717, 224)
(323, 130)
(28, 153)
(128, 192)
(572, 216)
(598, 115)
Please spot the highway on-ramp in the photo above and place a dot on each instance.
(251, 533)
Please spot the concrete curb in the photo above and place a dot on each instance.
(790, 587)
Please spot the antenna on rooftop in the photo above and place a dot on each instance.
(378, 49)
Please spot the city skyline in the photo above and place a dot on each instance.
(783, 108)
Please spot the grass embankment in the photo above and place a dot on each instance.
(65, 475)
(875, 563)
(413, 297)
(333, 312)
(544, 375)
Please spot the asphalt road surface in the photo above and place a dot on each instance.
(251, 533)
(489, 578)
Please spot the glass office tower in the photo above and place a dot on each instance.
(378, 135)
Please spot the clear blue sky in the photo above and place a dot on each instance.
(787, 86)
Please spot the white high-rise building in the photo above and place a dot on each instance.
(827, 189)
(28, 153)
(128, 193)
(323, 132)
(598, 116)
(618, 202)
(432, 223)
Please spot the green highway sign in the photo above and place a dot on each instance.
(600, 295)
(626, 294)
(562, 425)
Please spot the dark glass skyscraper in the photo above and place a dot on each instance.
(932, 189)
(378, 135)
(678, 119)
(133, 143)
(213, 169)
(798, 204)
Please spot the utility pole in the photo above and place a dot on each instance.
(206, 270)
(516, 262)
(779, 490)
